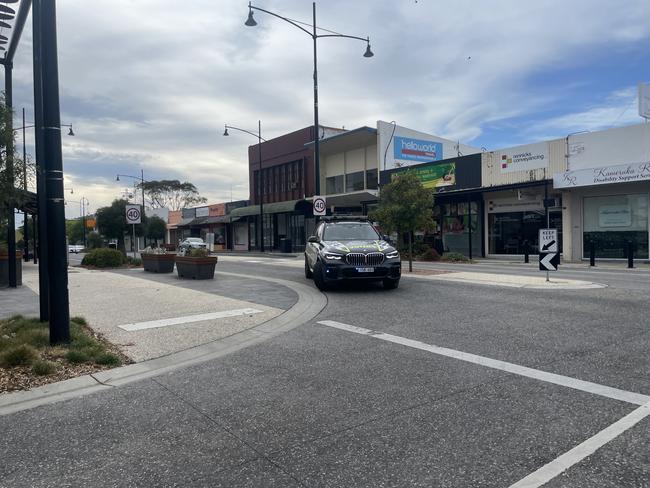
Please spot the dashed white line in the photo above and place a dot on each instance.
(556, 467)
(576, 384)
(152, 324)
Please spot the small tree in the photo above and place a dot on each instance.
(95, 240)
(405, 206)
(111, 222)
(156, 228)
(74, 230)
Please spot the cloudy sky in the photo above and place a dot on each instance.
(149, 84)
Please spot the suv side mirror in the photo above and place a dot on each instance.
(313, 239)
(386, 238)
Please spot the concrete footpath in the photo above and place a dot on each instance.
(145, 319)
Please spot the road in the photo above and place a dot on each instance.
(434, 384)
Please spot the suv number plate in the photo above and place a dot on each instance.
(365, 270)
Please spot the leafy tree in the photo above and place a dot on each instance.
(94, 240)
(405, 206)
(156, 228)
(75, 231)
(171, 194)
(111, 222)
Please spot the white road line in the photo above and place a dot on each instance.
(594, 388)
(565, 461)
(188, 319)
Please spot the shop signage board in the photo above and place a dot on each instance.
(133, 215)
(320, 205)
(523, 158)
(549, 255)
(409, 149)
(432, 176)
(202, 211)
(621, 173)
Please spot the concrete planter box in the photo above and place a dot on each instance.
(4, 269)
(199, 268)
(158, 263)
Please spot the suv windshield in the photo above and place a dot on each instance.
(350, 232)
(194, 239)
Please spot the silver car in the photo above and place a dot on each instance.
(193, 243)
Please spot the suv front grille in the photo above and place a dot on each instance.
(360, 259)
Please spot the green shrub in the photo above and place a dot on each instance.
(77, 357)
(107, 359)
(22, 355)
(429, 255)
(455, 257)
(34, 337)
(104, 258)
(43, 368)
(199, 253)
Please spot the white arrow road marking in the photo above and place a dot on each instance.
(546, 262)
(152, 324)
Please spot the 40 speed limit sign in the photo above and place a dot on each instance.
(133, 214)
(320, 206)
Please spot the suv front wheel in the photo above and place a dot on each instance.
(319, 276)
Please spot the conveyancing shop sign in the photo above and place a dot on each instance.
(622, 173)
(408, 149)
(523, 158)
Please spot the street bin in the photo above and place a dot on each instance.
(285, 245)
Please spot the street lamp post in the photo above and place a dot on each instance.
(260, 180)
(140, 178)
(250, 22)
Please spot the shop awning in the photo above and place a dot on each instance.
(289, 206)
(188, 222)
(218, 219)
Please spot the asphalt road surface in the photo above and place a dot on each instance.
(435, 384)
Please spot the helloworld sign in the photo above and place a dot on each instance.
(409, 149)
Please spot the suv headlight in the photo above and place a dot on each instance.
(392, 255)
(330, 256)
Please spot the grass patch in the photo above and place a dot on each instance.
(26, 342)
(43, 368)
(18, 355)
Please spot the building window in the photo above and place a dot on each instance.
(354, 181)
(334, 185)
(516, 232)
(610, 222)
(371, 179)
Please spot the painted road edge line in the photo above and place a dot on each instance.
(576, 384)
(152, 324)
(556, 467)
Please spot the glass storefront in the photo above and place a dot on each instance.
(610, 222)
(514, 232)
(456, 228)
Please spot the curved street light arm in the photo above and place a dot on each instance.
(283, 18)
(364, 39)
(244, 130)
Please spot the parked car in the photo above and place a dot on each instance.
(350, 249)
(192, 243)
(75, 248)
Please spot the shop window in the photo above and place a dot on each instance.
(354, 181)
(334, 185)
(610, 222)
(516, 232)
(371, 179)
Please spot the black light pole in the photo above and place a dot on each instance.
(260, 180)
(45, 11)
(25, 223)
(368, 54)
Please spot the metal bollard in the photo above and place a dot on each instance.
(526, 253)
(592, 253)
(630, 255)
